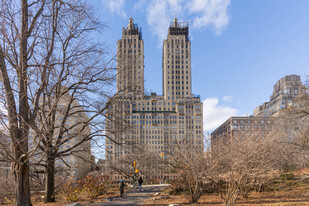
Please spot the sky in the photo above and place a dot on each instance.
(240, 49)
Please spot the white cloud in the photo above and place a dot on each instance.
(159, 14)
(215, 114)
(227, 98)
(202, 13)
(116, 6)
(140, 4)
(158, 18)
(210, 13)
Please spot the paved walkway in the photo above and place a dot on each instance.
(134, 197)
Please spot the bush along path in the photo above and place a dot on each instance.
(134, 196)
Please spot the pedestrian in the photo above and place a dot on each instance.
(140, 182)
(121, 187)
(163, 179)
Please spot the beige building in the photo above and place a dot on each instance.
(264, 116)
(154, 122)
(285, 90)
(130, 62)
(177, 62)
(241, 125)
(80, 161)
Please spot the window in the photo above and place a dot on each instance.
(286, 91)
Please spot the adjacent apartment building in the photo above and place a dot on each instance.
(79, 161)
(154, 122)
(285, 90)
(264, 116)
(241, 125)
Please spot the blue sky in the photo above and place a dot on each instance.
(239, 48)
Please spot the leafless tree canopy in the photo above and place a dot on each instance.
(49, 65)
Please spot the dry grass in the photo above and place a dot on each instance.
(286, 193)
(111, 192)
(38, 201)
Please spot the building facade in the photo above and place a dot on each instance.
(154, 122)
(130, 62)
(285, 90)
(81, 161)
(78, 161)
(264, 116)
(241, 125)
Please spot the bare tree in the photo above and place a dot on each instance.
(249, 158)
(190, 163)
(78, 92)
(49, 66)
(145, 161)
(294, 130)
(19, 26)
(295, 123)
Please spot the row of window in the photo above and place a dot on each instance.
(251, 121)
(176, 62)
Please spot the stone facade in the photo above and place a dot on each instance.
(154, 122)
(236, 125)
(284, 93)
(80, 161)
(285, 90)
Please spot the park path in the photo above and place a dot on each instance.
(134, 196)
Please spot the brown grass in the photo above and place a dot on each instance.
(286, 193)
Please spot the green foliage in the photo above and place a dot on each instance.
(268, 188)
(287, 176)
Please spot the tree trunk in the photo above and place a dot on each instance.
(50, 180)
(23, 189)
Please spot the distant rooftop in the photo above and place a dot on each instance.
(132, 29)
(178, 28)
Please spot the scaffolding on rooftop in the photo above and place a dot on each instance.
(179, 28)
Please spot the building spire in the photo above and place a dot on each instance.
(131, 24)
(175, 23)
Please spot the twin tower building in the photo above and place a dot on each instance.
(155, 123)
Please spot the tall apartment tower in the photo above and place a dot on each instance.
(177, 62)
(130, 62)
(155, 123)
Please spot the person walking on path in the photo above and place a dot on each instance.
(140, 182)
(121, 187)
(163, 180)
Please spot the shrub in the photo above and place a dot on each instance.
(93, 187)
(176, 186)
(268, 188)
(71, 190)
(7, 189)
(90, 187)
(287, 176)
